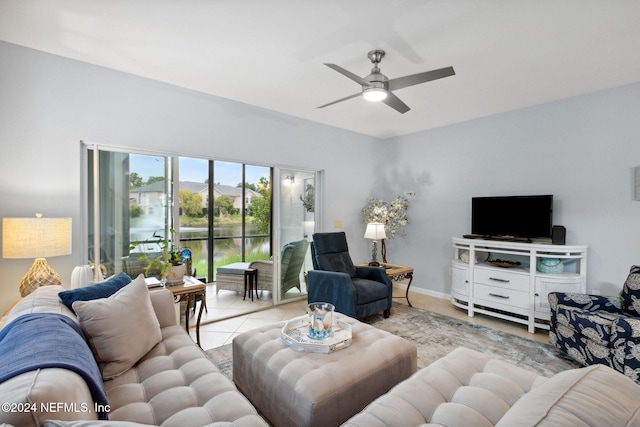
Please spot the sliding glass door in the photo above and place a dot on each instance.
(124, 208)
(221, 213)
(297, 215)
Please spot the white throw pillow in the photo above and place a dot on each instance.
(120, 329)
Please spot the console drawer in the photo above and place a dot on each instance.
(498, 295)
(501, 278)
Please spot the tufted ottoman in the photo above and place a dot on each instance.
(293, 388)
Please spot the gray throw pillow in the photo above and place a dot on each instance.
(120, 329)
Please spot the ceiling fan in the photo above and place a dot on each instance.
(377, 87)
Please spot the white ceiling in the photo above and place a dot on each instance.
(507, 54)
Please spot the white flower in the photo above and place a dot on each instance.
(393, 215)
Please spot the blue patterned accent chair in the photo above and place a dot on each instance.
(598, 329)
(355, 291)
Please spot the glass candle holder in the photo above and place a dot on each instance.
(320, 320)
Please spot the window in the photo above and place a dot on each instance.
(240, 234)
(221, 211)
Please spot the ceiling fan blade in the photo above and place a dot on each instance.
(349, 74)
(394, 102)
(416, 79)
(341, 99)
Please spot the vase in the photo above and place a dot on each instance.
(174, 275)
(550, 265)
(81, 276)
(320, 320)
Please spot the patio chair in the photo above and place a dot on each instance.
(231, 277)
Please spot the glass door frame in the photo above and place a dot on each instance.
(279, 174)
(92, 150)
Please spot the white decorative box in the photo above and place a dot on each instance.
(294, 334)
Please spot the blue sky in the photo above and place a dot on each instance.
(195, 170)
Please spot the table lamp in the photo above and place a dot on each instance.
(36, 238)
(374, 231)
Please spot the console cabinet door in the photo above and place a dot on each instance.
(545, 285)
(459, 279)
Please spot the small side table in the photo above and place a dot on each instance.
(250, 279)
(396, 273)
(192, 290)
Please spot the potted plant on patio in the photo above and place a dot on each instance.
(169, 261)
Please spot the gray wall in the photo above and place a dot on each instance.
(48, 104)
(582, 150)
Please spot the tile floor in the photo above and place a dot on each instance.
(215, 333)
(238, 315)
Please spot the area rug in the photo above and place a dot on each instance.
(435, 335)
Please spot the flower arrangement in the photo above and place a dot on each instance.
(393, 215)
(308, 199)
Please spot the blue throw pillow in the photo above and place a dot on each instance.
(99, 290)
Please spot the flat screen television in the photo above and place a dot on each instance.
(512, 217)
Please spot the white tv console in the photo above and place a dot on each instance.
(518, 293)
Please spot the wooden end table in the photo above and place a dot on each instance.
(396, 273)
(192, 290)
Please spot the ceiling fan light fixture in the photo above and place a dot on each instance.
(374, 94)
(377, 87)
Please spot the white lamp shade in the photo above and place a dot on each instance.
(35, 237)
(375, 231)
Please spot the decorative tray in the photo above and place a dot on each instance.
(504, 264)
(294, 334)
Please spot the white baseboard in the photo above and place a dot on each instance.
(422, 291)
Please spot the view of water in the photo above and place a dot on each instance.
(227, 244)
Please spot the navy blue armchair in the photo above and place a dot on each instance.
(355, 291)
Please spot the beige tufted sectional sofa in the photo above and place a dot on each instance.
(173, 384)
(468, 388)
